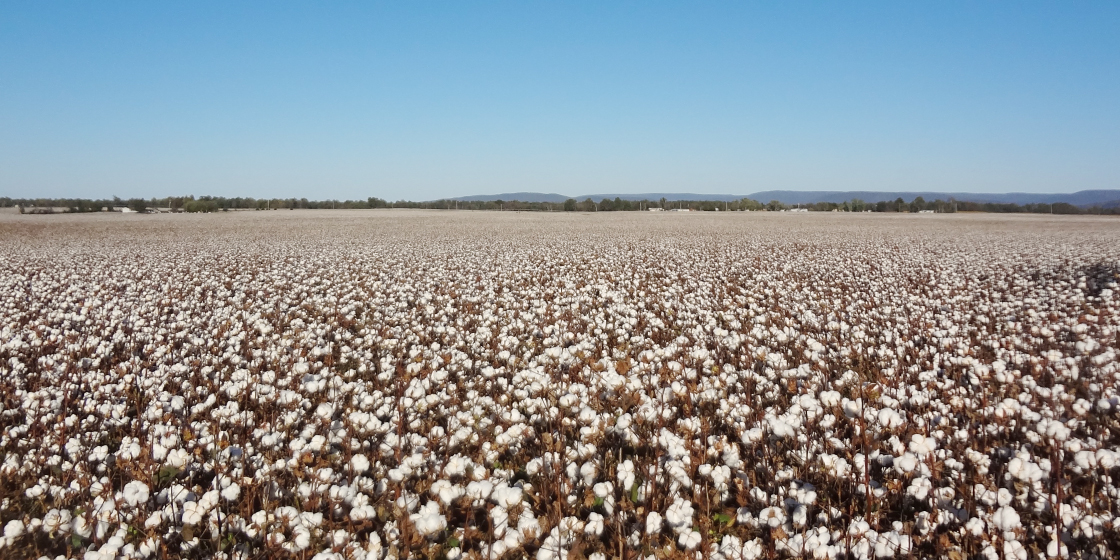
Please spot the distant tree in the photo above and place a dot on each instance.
(919, 203)
(750, 204)
(570, 205)
(899, 204)
(138, 204)
(200, 206)
(663, 202)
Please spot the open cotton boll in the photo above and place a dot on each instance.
(781, 428)
(689, 540)
(772, 517)
(506, 496)
(359, 464)
(480, 489)
(1006, 519)
(679, 515)
(921, 445)
(178, 458)
(135, 493)
(587, 473)
(428, 520)
(231, 493)
(654, 523)
(192, 513)
(626, 474)
(906, 463)
(594, 525)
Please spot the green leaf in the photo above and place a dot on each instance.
(166, 474)
(598, 502)
(722, 518)
(452, 543)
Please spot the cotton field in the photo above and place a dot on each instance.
(470, 385)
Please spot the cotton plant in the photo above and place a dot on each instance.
(361, 388)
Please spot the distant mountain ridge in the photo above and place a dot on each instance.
(1102, 197)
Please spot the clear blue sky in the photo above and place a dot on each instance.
(422, 100)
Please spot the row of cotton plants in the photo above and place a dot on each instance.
(442, 385)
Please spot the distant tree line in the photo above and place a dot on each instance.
(219, 204)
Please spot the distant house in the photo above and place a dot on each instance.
(656, 209)
(925, 211)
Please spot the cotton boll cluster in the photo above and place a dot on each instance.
(366, 385)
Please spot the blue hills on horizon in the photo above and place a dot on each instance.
(1101, 197)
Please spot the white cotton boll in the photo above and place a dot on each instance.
(689, 540)
(889, 419)
(192, 513)
(14, 529)
(921, 445)
(81, 527)
(920, 488)
(594, 525)
(1056, 548)
(891, 544)
(835, 465)
(830, 398)
(480, 489)
(782, 429)
(679, 515)
(507, 496)
(852, 409)
(603, 489)
(752, 436)
(231, 492)
(428, 521)
(301, 539)
(1053, 429)
(975, 526)
(1006, 519)
(1014, 550)
(1025, 470)
(906, 463)
(588, 472)
(772, 517)
(1004, 497)
(1107, 458)
(135, 492)
(359, 464)
(654, 523)
(178, 458)
(626, 475)
(55, 520)
(129, 449)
